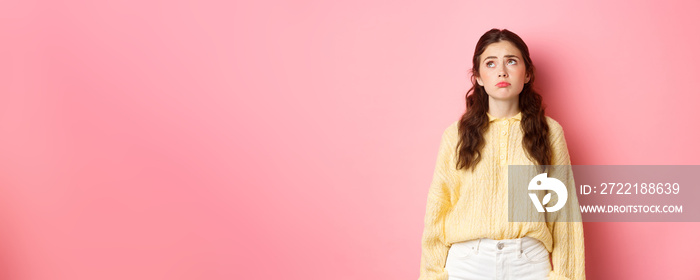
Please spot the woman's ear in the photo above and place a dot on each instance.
(475, 76)
(527, 78)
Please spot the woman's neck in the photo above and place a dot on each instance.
(503, 108)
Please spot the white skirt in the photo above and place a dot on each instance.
(522, 258)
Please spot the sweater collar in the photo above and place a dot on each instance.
(518, 116)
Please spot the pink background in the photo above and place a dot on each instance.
(297, 139)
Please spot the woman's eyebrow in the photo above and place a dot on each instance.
(508, 55)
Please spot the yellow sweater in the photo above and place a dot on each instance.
(464, 205)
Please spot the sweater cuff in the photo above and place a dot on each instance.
(439, 276)
(555, 276)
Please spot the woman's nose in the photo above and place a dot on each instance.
(502, 71)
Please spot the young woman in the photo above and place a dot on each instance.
(467, 233)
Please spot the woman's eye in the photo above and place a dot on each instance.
(511, 62)
(490, 64)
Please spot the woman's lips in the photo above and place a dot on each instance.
(502, 84)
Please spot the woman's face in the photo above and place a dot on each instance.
(502, 71)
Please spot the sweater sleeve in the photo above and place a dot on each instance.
(434, 245)
(568, 253)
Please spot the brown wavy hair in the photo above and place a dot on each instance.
(474, 121)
